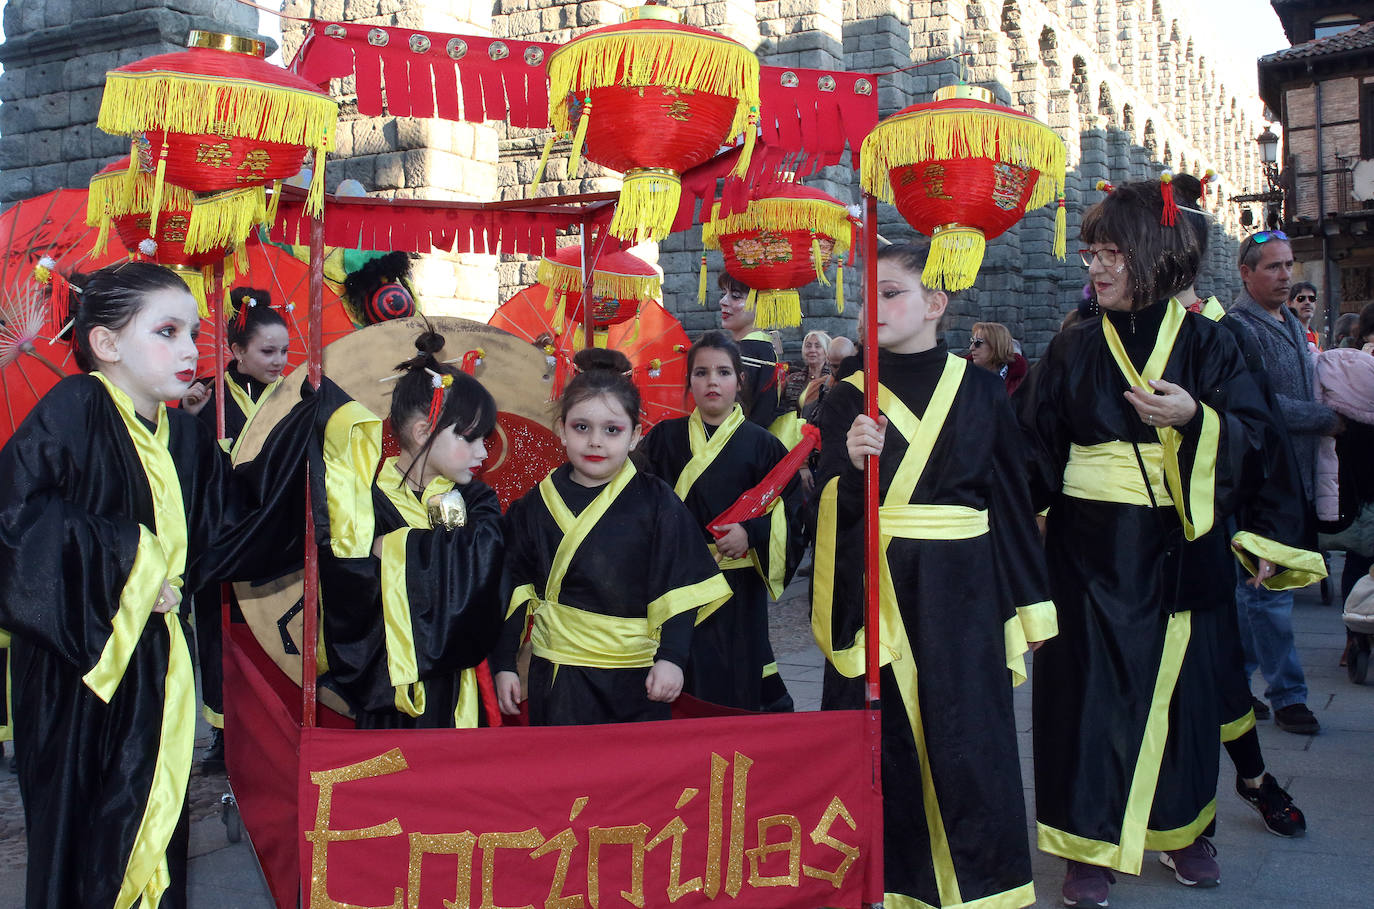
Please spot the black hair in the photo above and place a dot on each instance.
(255, 316)
(1161, 260)
(1188, 195)
(1299, 288)
(467, 404)
(361, 287)
(729, 283)
(911, 256)
(110, 298)
(601, 372)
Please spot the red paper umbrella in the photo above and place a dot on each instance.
(651, 97)
(218, 118)
(963, 169)
(621, 283)
(658, 354)
(784, 239)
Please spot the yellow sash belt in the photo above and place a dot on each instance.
(575, 637)
(1109, 472)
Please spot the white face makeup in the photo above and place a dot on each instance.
(152, 358)
(599, 435)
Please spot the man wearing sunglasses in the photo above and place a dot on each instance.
(1302, 302)
(1266, 616)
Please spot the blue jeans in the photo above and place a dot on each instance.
(1266, 633)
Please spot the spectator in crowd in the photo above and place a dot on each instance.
(840, 349)
(992, 348)
(1266, 621)
(1344, 333)
(805, 379)
(1302, 302)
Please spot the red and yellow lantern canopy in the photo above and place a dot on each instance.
(219, 120)
(783, 240)
(651, 97)
(621, 283)
(962, 170)
(162, 240)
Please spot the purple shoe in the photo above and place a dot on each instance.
(1194, 865)
(1086, 886)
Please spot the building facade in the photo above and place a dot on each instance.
(1322, 89)
(1123, 82)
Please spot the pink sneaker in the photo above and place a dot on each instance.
(1194, 865)
(1086, 886)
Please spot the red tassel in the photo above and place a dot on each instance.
(436, 400)
(471, 360)
(58, 304)
(1166, 190)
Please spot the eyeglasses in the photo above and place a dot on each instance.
(1109, 256)
(1265, 236)
(976, 343)
(1305, 298)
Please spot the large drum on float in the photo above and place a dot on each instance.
(522, 450)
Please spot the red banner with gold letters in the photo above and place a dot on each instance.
(764, 811)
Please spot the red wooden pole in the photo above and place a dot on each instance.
(872, 547)
(315, 366)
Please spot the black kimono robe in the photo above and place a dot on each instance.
(1125, 700)
(616, 577)
(732, 660)
(98, 508)
(403, 633)
(243, 397)
(963, 591)
(763, 388)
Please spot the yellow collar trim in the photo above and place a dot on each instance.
(576, 528)
(704, 450)
(393, 485)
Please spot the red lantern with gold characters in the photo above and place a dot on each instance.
(621, 283)
(962, 170)
(219, 119)
(651, 97)
(784, 239)
(164, 243)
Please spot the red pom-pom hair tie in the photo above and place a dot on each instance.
(1166, 191)
(436, 401)
(241, 317)
(471, 360)
(1104, 186)
(1207, 178)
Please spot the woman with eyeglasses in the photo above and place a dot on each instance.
(992, 348)
(1302, 300)
(1146, 425)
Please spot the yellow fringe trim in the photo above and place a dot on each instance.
(560, 314)
(648, 204)
(197, 281)
(839, 287)
(828, 219)
(566, 278)
(751, 129)
(138, 102)
(1061, 231)
(701, 282)
(543, 163)
(114, 195)
(314, 197)
(575, 154)
(658, 57)
(751, 299)
(956, 252)
(777, 309)
(225, 219)
(818, 261)
(943, 134)
(273, 202)
(159, 185)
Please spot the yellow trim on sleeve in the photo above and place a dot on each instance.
(704, 596)
(776, 575)
(1237, 728)
(519, 597)
(1040, 620)
(141, 589)
(466, 711)
(401, 663)
(352, 447)
(1300, 566)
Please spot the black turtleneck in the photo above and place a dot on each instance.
(1139, 329)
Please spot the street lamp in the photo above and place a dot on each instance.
(1269, 149)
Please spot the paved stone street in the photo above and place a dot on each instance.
(1328, 775)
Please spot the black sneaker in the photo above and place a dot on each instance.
(1275, 806)
(1261, 709)
(1296, 718)
(213, 759)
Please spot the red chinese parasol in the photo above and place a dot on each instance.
(658, 354)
